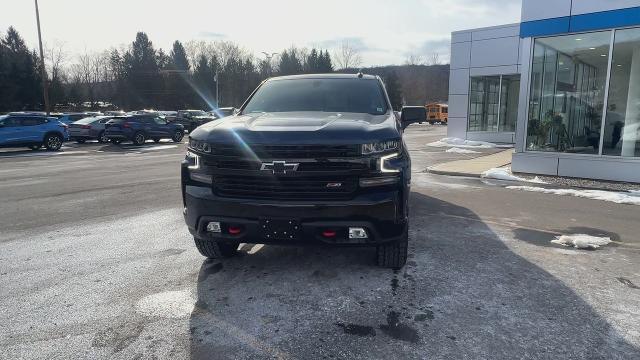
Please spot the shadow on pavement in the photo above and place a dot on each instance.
(462, 294)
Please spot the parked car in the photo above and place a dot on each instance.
(115, 113)
(191, 119)
(309, 159)
(222, 112)
(32, 131)
(91, 128)
(73, 117)
(139, 128)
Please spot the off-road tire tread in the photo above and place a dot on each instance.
(393, 255)
(215, 250)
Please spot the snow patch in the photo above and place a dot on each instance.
(581, 241)
(168, 304)
(629, 198)
(457, 150)
(461, 143)
(504, 173)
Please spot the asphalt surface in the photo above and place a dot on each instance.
(96, 262)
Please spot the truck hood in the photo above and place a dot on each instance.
(300, 128)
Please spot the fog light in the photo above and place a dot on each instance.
(379, 181)
(213, 227)
(357, 233)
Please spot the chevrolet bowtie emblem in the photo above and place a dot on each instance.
(279, 167)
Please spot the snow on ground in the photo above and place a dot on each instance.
(461, 143)
(630, 198)
(457, 150)
(581, 241)
(504, 173)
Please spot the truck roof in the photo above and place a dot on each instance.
(322, 76)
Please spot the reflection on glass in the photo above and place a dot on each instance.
(567, 93)
(493, 103)
(622, 126)
(509, 97)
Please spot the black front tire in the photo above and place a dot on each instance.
(216, 250)
(177, 136)
(102, 139)
(394, 255)
(139, 138)
(53, 142)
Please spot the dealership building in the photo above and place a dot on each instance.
(563, 86)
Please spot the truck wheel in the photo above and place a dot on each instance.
(53, 142)
(139, 138)
(215, 250)
(394, 255)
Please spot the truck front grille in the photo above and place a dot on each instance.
(285, 188)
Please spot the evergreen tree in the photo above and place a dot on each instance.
(142, 73)
(203, 80)
(20, 81)
(312, 62)
(324, 62)
(179, 59)
(290, 63)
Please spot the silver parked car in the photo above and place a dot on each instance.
(91, 128)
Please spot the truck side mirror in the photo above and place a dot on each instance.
(412, 114)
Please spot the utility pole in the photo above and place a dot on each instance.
(45, 88)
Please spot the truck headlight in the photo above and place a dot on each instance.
(193, 161)
(200, 146)
(380, 147)
(390, 163)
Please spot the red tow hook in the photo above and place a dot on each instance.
(329, 233)
(234, 230)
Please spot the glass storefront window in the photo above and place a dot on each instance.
(493, 103)
(567, 94)
(622, 125)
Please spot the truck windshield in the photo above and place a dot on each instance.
(326, 95)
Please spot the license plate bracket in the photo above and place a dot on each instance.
(280, 229)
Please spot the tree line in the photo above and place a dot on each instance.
(142, 76)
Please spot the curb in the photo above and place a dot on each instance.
(453, 173)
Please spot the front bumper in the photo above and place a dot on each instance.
(379, 213)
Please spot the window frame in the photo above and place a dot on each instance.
(485, 106)
(612, 33)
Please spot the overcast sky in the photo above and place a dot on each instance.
(385, 31)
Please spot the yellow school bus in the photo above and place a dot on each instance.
(437, 113)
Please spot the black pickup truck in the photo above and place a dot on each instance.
(308, 159)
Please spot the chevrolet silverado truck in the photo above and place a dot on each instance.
(306, 160)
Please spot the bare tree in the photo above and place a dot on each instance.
(55, 58)
(347, 56)
(434, 59)
(90, 71)
(414, 59)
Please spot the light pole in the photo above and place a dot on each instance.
(45, 88)
(269, 56)
(217, 90)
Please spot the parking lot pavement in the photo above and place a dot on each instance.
(96, 262)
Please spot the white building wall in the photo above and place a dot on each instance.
(479, 52)
(581, 7)
(533, 10)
